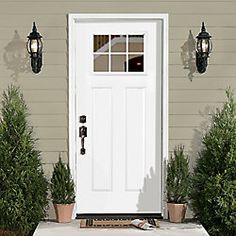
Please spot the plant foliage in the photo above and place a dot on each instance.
(178, 177)
(23, 187)
(214, 181)
(62, 184)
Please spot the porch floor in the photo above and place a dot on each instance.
(72, 229)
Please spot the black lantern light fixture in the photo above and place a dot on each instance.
(203, 49)
(34, 47)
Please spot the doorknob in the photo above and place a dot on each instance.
(82, 134)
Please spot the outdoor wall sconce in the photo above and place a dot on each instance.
(203, 49)
(34, 47)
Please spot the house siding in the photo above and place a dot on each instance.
(47, 93)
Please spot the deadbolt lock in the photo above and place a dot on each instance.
(82, 119)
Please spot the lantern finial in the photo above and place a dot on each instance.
(203, 27)
(34, 27)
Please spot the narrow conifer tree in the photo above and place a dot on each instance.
(214, 180)
(62, 184)
(178, 177)
(23, 187)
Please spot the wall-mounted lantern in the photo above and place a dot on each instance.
(34, 47)
(203, 49)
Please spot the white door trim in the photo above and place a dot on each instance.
(73, 120)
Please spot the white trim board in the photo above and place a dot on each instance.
(72, 20)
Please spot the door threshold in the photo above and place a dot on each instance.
(118, 215)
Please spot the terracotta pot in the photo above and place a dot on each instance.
(64, 212)
(176, 212)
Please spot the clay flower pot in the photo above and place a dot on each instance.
(64, 212)
(176, 212)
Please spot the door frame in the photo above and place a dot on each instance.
(73, 123)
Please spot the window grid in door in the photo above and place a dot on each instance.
(118, 53)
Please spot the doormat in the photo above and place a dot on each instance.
(113, 223)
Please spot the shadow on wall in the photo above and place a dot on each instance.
(148, 197)
(16, 57)
(188, 55)
(196, 143)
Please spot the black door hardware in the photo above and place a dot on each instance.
(82, 133)
(82, 119)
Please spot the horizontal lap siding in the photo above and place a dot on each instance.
(46, 93)
(172, 7)
(190, 103)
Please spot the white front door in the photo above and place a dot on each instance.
(118, 89)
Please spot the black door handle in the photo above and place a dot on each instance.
(82, 135)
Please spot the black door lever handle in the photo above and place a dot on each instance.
(82, 135)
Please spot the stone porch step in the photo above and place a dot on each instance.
(166, 229)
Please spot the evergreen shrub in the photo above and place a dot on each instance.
(214, 181)
(23, 187)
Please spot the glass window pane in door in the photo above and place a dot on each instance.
(136, 63)
(101, 63)
(136, 43)
(101, 43)
(118, 43)
(118, 63)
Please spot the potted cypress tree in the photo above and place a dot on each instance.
(62, 190)
(177, 185)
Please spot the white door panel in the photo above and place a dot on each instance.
(121, 169)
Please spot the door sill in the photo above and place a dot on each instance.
(118, 215)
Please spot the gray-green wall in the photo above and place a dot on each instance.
(47, 93)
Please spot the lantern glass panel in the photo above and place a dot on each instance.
(34, 45)
(40, 45)
(28, 46)
(199, 46)
(210, 46)
(205, 45)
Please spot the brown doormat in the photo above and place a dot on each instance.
(113, 223)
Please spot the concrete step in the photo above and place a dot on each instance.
(73, 229)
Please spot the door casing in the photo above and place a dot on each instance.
(73, 19)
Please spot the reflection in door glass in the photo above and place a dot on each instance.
(100, 43)
(118, 63)
(135, 63)
(101, 63)
(118, 43)
(136, 43)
